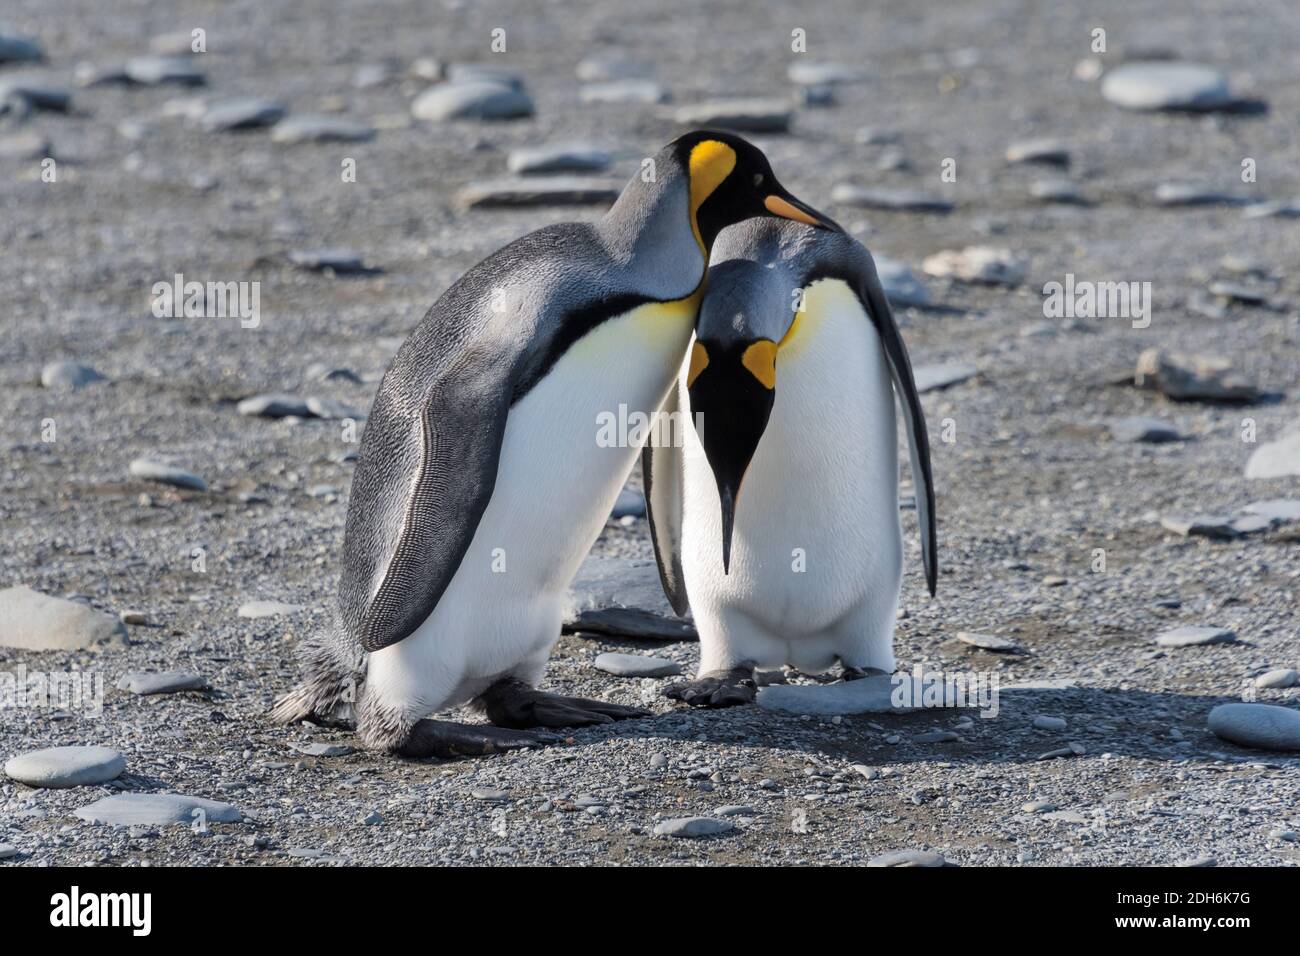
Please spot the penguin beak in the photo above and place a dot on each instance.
(731, 401)
(782, 204)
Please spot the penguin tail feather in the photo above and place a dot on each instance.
(333, 672)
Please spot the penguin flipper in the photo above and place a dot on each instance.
(406, 536)
(872, 295)
(661, 470)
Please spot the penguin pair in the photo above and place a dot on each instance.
(775, 520)
(480, 485)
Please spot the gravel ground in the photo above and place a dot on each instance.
(1029, 487)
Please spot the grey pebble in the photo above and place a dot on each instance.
(68, 376)
(558, 158)
(538, 191)
(260, 609)
(59, 767)
(472, 99)
(276, 405)
(1166, 86)
(145, 684)
(241, 114)
(693, 827)
(1143, 428)
(741, 115)
(894, 200)
(157, 809)
(159, 70)
(321, 129)
(166, 474)
(1264, 726)
(1278, 678)
(634, 665)
(1193, 635)
(908, 858)
(32, 621)
(1044, 722)
(988, 642)
(1276, 459)
(629, 92)
(933, 378)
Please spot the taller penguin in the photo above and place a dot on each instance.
(480, 484)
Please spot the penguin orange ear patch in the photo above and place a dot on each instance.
(699, 362)
(760, 359)
(711, 163)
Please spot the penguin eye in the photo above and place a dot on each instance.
(758, 180)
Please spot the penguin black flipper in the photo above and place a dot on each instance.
(661, 470)
(866, 283)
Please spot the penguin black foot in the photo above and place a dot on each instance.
(717, 689)
(857, 673)
(445, 739)
(512, 703)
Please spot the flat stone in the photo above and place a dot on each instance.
(1219, 527)
(1066, 816)
(1278, 678)
(1192, 377)
(538, 191)
(323, 750)
(324, 372)
(634, 665)
(37, 95)
(894, 200)
(903, 287)
(333, 409)
(988, 642)
(872, 694)
(25, 144)
(1276, 459)
(8, 851)
(693, 827)
(630, 504)
(741, 115)
(624, 598)
(1272, 210)
(1277, 510)
(935, 737)
(1239, 292)
(932, 378)
(1056, 190)
(159, 70)
(811, 73)
(16, 49)
(1142, 428)
(1047, 151)
(157, 809)
(68, 376)
(1251, 524)
(144, 683)
(908, 858)
(166, 474)
(1167, 86)
(471, 99)
(1263, 726)
(985, 265)
(60, 767)
(337, 261)
(1188, 194)
(241, 114)
(559, 158)
(1044, 722)
(1192, 636)
(31, 621)
(631, 92)
(321, 129)
(274, 405)
(260, 609)
(1038, 806)
(485, 73)
(179, 43)
(602, 67)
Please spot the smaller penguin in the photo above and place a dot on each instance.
(775, 514)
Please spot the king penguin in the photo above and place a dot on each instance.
(775, 512)
(480, 483)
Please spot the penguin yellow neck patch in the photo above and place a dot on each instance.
(699, 362)
(711, 162)
(760, 359)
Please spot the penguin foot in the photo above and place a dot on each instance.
(857, 673)
(717, 689)
(511, 703)
(446, 739)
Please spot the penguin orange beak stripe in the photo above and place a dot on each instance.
(780, 206)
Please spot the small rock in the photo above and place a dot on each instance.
(68, 376)
(932, 378)
(538, 191)
(693, 827)
(59, 767)
(159, 70)
(1141, 428)
(1186, 194)
(145, 684)
(1056, 190)
(1239, 292)
(323, 750)
(32, 621)
(908, 858)
(1038, 806)
(630, 503)
(623, 598)
(741, 115)
(241, 114)
(902, 286)
(26, 144)
(36, 95)
(988, 642)
(1047, 151)
(873, 694)
(1192, 377)
(472, 99)
(8, 851)
(806, 73)
(1219, 527)
(1263, 726)
(157, 809)
(1167, 86)
(490, 796)
(485, 73)
(602, 67)
(570, 158)
(16, 49)
(1193, 636)
(935, 737)
(337, 261)
(321, 129)
(1278, 678)
(894, 200)
(260, 609)
(333, 409)
(1043, 722)
(166, 474)
(1276, 459)
(980, 264)
(278, 405)
(634, 665)
(1200, 861)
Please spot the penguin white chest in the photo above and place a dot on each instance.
(817, 552)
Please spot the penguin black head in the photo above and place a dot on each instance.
(731, 181)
